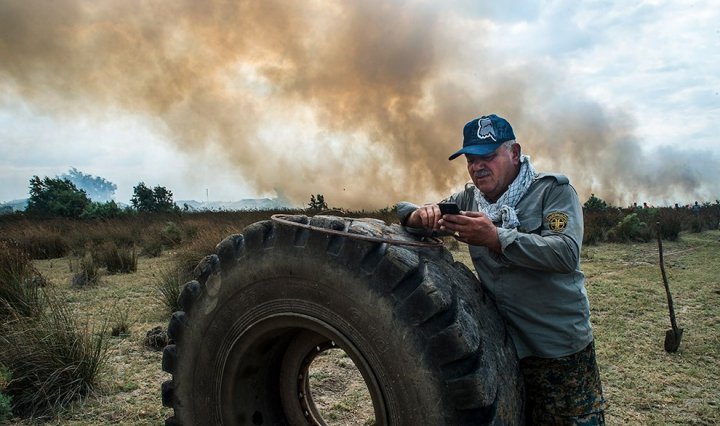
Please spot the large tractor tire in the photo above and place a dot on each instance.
(428, 342)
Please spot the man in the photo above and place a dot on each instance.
(524, 232)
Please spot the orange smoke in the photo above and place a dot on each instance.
(360, 101)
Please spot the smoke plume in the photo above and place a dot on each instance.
(97, 188)
(360, 101)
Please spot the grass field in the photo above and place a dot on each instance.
(643, 384)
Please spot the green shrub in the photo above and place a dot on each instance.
(157, 200)
(171, 234)
(107, 210)
(630, 228)
(595, 204)
(647, 215)
(55, 197)
(53, 361)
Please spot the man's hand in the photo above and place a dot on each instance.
(426, 217)
(473, 228)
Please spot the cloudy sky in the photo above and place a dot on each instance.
(360, 101)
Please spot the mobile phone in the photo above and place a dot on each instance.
(449, 208)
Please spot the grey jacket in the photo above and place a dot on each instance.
(536, 281)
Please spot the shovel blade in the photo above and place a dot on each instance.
(672, 339)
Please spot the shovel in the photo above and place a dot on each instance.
(672, 336)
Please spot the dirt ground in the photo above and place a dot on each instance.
(339, 391)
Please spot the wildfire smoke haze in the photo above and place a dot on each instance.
(360, 101)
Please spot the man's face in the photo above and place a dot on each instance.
(493, 173)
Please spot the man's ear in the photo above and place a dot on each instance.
(516, 152)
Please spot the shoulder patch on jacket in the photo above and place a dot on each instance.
(559, 177)
(557, 221)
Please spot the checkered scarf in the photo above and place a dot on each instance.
(503, 210)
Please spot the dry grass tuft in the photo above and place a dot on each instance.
(52, 360)
(87, 271)
(169, 285)
(19, 284)
(118, 260)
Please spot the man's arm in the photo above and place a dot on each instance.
(557, 247)
(551, 250)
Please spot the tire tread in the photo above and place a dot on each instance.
(422, 285)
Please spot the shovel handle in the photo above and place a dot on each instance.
(671, 308)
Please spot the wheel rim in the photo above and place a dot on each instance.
(298, 399)
(286, 345)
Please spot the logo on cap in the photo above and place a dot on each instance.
(482, 136)
(485, 129)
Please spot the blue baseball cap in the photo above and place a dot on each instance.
(482, 136)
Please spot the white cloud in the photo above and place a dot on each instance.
(119, 147)
(657, 60)
(661, 61)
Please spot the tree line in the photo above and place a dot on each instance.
(60, 197)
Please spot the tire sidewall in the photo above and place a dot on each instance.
(316, 288)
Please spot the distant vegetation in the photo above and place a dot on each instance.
(317, 202)
(61, 197)
(56, 197)
(156, 200)
(67, 197)
(605, 223)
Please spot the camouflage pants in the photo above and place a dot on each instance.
(563, 391)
